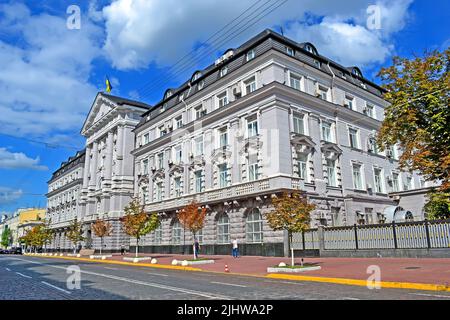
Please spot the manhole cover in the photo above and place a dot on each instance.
(412, 268)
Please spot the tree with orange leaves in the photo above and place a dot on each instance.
(192, 217)
(101, 229)
(137, 223)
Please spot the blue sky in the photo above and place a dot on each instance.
(49, 74)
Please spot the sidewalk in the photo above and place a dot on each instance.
(417, 270)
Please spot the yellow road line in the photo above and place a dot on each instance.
(363, 283)
(124, 263)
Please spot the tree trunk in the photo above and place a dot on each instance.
(137, 247)
(101, 245)
(195, 249)
(291, 247)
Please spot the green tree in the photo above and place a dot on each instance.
(291, 213)
(137, 223)
(75, 233)
(418, 117)
(6, 237)
(438, 206)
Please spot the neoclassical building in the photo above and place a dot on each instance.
(270, 116)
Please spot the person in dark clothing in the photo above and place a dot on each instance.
(196, 248)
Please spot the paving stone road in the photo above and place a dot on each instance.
(26, 278)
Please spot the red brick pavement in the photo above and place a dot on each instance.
(418, 270)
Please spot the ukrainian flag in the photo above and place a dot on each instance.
(108, 85)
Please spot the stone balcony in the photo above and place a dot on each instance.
(234, 192)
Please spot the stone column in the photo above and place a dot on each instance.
(92, 182)
(234, 147)
(119, 152)
(87, 164)
(109, 154)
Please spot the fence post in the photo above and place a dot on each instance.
(303, 241)
(395, 235)
(356, 236)
(428, 234)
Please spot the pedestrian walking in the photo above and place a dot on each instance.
(122, 249)
(196, 248)
(235, 251)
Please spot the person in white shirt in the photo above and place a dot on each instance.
(235, 251)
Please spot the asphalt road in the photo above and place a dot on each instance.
(30, 278)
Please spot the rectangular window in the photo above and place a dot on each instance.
(199, 112)
(322, 92)
(357, 177)
(222, 99)
(159, 191)
(409, 183)
(252, 128)
(162, 131)
(353, 137)
(395, 182)
(223, 175)
(178, 154)
(178, 122)
(252, 167)
(145, 166)
(198, 181)
(250, 85)
(349, 103)
(290, 51)
(177, 186)
(299, 124)
(303, 167)
(146, 138)
(160, 160)
(331, 173)
(369, 111)
(223, 137)
(145, 194)
(295, 81)
(198, 146)
(326, 131)
(378, 179)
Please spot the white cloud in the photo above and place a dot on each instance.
(139, 32)
(44, 81)
(18, 160)
(8, 195)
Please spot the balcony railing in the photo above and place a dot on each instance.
(234, 192)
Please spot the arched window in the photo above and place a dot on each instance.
(310, 49)
(254, 226)
(223, 229)
(176, 232)
(168, 94)
(196, 75)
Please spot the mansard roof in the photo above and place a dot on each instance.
(72, 162)
(210, 74)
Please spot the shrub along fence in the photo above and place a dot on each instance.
(433, 234)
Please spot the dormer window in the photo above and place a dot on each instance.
(290, 51)
(310, 49)
(201, 84)
(223, 71)
(196, 76)
(181, 97)
(168, 94)
(317, 63)
(250, 55)
(356, 72)
(164, 107)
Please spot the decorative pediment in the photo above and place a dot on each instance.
(331, 150)
(143, 179)
(197, 161)
(251, 144)
(174, 168)
(101, 107)
(158, 174)
(302, 143)
(220, 155)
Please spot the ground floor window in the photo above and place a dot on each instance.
(223, 229)
(254, 226)
(176, 232)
